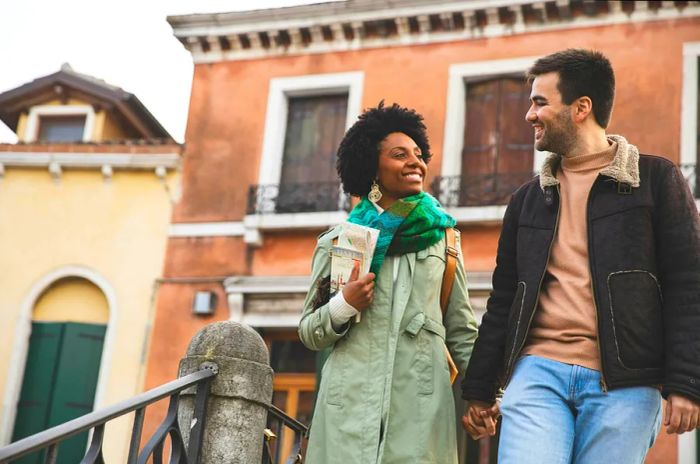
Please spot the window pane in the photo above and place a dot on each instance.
(498, 142)
(481, 128)
(306, 407)
(291, 356)
(309, 181)
(61, 128)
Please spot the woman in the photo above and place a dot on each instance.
(385, 394)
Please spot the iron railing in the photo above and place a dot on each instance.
(478, 189)
(51, 439)
(301, 433)
(496, 188)
(451, 191)
(296, 198)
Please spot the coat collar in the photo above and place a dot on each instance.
(623, 168)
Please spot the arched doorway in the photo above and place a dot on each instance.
(69, 321)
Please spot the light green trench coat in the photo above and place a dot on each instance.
(385, 394)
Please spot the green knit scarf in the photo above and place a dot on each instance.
(410, 224)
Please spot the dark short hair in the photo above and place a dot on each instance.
(581, 73)
(358, 153)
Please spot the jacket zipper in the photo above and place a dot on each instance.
(537, 299)
(603, 383)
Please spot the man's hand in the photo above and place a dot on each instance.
(682, 414)
(359, 293)
(480, 418)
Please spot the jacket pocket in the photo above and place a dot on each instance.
(636, 310)
(430, 340)
(333, 375)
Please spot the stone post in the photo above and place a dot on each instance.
(236, 414)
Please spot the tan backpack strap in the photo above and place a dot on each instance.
(448, 278)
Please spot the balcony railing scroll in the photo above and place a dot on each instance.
(297, 198)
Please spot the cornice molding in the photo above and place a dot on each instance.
(364, 24)
(55, 163)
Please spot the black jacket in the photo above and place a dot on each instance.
(644, 255)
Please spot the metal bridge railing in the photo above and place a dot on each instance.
(180, 453)
(301, 433)
(50, 439)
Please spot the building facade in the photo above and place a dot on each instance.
(87, 196)
(274, 90)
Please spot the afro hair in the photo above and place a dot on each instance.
(358, 153)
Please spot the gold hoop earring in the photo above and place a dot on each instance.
(374, 193)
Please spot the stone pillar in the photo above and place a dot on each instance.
(236, 414)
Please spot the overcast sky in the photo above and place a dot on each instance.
(127, 43)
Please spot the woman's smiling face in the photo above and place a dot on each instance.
(401, 171)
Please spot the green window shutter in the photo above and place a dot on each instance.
(59, 384)
(35, 397)
(76, 381)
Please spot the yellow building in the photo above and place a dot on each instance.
(85, 202)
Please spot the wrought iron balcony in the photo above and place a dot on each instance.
(297, 198)
(495, 189)
(690, 172)
(478, 189)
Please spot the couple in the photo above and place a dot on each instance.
(594, 314)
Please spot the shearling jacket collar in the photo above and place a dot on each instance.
(623, 168)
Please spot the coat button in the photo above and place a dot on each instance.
(692, 380)
(319, 332)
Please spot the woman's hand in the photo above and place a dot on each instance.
(359, 293)
(480, 419)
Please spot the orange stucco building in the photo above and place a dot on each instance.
(273, 91)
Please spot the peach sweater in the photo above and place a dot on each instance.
(564, 327)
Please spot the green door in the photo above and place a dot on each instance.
(59, 383)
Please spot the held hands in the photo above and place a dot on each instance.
(480, 419)
(682, 414)
(359, 293)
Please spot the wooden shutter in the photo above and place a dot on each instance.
(32, 414)
(76, 382)
(498, 142)
(59, 383)
(516, 150)
(315, 126)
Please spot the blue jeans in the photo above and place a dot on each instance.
(556, 413)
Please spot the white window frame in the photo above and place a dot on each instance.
(689, 105)
(281, 89)
(31, 133)
(459, 75)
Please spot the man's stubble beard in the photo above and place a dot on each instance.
(559, 136)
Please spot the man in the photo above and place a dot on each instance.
(595, 310)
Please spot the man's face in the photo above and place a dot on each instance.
(555, 130)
